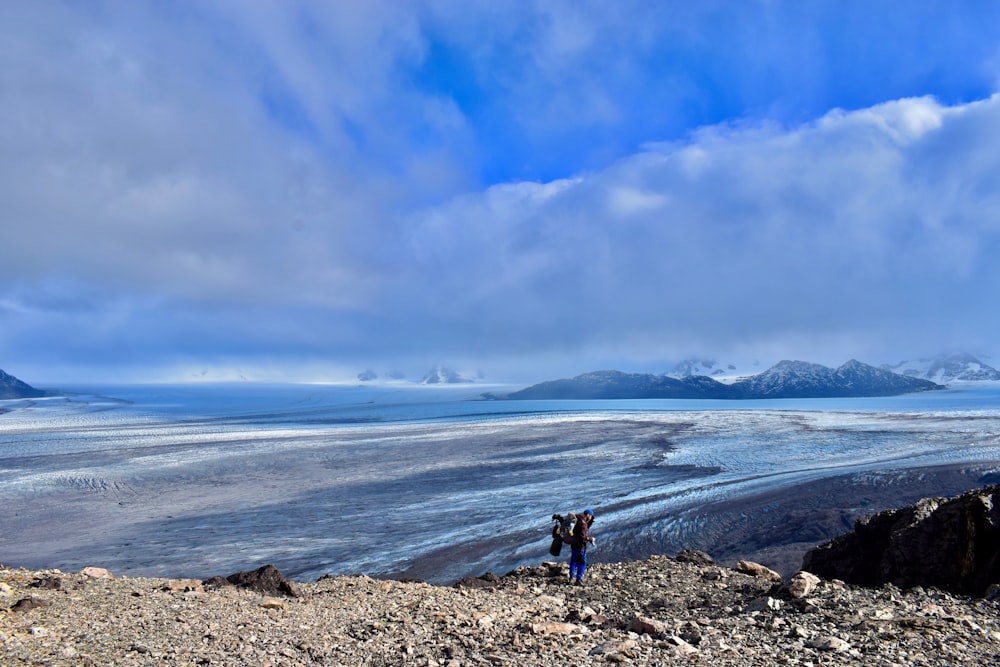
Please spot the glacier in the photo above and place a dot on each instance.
(200, 480)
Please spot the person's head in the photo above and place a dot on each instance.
(588, 512)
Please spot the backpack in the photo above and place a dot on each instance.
(567, 524)
(562, 531)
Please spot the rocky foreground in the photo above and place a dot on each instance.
(684, 610)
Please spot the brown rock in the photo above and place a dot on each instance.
(271, 603)
(757, 570)
(680, 646)
(96, 573)
(647, 626)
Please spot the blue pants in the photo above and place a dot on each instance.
(577, 564)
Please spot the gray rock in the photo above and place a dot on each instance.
(801, 585)
(29, 603)
(694, 557)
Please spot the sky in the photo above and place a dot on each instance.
(300, 191)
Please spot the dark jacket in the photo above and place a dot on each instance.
(581, 533)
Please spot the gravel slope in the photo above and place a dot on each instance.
(652, 612)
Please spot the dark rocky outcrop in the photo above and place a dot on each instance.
(951, 544)
(28, 603)
(266, 579)
(11, 387)
(488, 580)
(694, 557)
(616, 384)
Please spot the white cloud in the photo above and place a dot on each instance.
(904, 121)
(828, 230)
(626, 201)
(179, 180)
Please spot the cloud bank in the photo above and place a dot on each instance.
(300, 191)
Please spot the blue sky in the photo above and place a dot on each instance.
(304, 190)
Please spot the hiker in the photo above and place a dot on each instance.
(581, 537)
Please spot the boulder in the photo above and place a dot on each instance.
(801, 585)
(952, 544)
(267, 579)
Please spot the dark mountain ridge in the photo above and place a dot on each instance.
(11, 387)
(786, 379)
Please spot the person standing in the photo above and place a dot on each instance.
(581, 538)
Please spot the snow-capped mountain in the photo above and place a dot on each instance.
(444, 375)
(787, 379)
(960, 367)
(799, 379)
(11, 387)
(695, 366)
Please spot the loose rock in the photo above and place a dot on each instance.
(758, 570)
(801, 584)
(654, 612)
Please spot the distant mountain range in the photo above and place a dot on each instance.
(962, 367)
(11, 387)
(954, 367)
(437, 375)
(787, 379)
